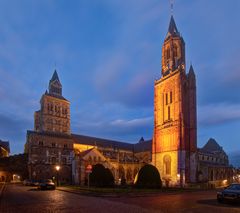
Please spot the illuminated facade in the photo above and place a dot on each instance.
(173, 149)
(175, 122)
(51, 143)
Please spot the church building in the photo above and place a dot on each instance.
(173, 149)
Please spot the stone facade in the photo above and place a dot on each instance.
(173, 149)
(213, 165)
(123, 159)
(45, 151)
(175, 139)
(51, 144)
(54, 115)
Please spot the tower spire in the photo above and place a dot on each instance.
(55, 86)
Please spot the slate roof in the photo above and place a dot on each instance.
(212, 146)
(54, 77)
(101, 142)
(172, 29)
(143, 146)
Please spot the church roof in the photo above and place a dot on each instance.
(101, 142)
(143, 146)
(54, 76)
(212, 146)
(172, 29)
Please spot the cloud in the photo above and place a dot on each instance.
(121, 129)
(13, 129)
(214, 114)
(234, 158)
(125, 72)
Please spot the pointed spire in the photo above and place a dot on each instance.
(55, 76)
(55, 86)
(172, 29)
(191, 70)
(141, 140)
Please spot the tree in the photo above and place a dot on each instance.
(148, 177)
(101, 176)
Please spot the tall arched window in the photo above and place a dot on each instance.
(167, 164)
(175, 49)
(168, 53)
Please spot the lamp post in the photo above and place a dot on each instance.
(57, 169)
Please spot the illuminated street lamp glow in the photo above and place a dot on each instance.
(57, 168)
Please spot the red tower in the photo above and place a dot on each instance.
(175, 120)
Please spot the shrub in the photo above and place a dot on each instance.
(101, 176)
(148, 177)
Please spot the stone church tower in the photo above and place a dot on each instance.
(54, 115)
(175, 120)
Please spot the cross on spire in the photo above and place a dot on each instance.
(171, 3)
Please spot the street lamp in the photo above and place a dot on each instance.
(57, 168)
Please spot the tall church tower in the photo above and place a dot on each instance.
(175, 120)
(54, 115)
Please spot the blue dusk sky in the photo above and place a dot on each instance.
(108, 54)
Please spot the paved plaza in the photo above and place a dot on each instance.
(18, 198)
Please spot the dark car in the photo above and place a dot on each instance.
(46, 184)
(231, 193)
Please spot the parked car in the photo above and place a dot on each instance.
(46, 184)
(27, 182)
(231, 193)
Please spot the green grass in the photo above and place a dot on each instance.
(126, 190)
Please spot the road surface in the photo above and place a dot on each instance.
(18, 198)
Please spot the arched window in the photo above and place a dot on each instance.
(167, 164)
